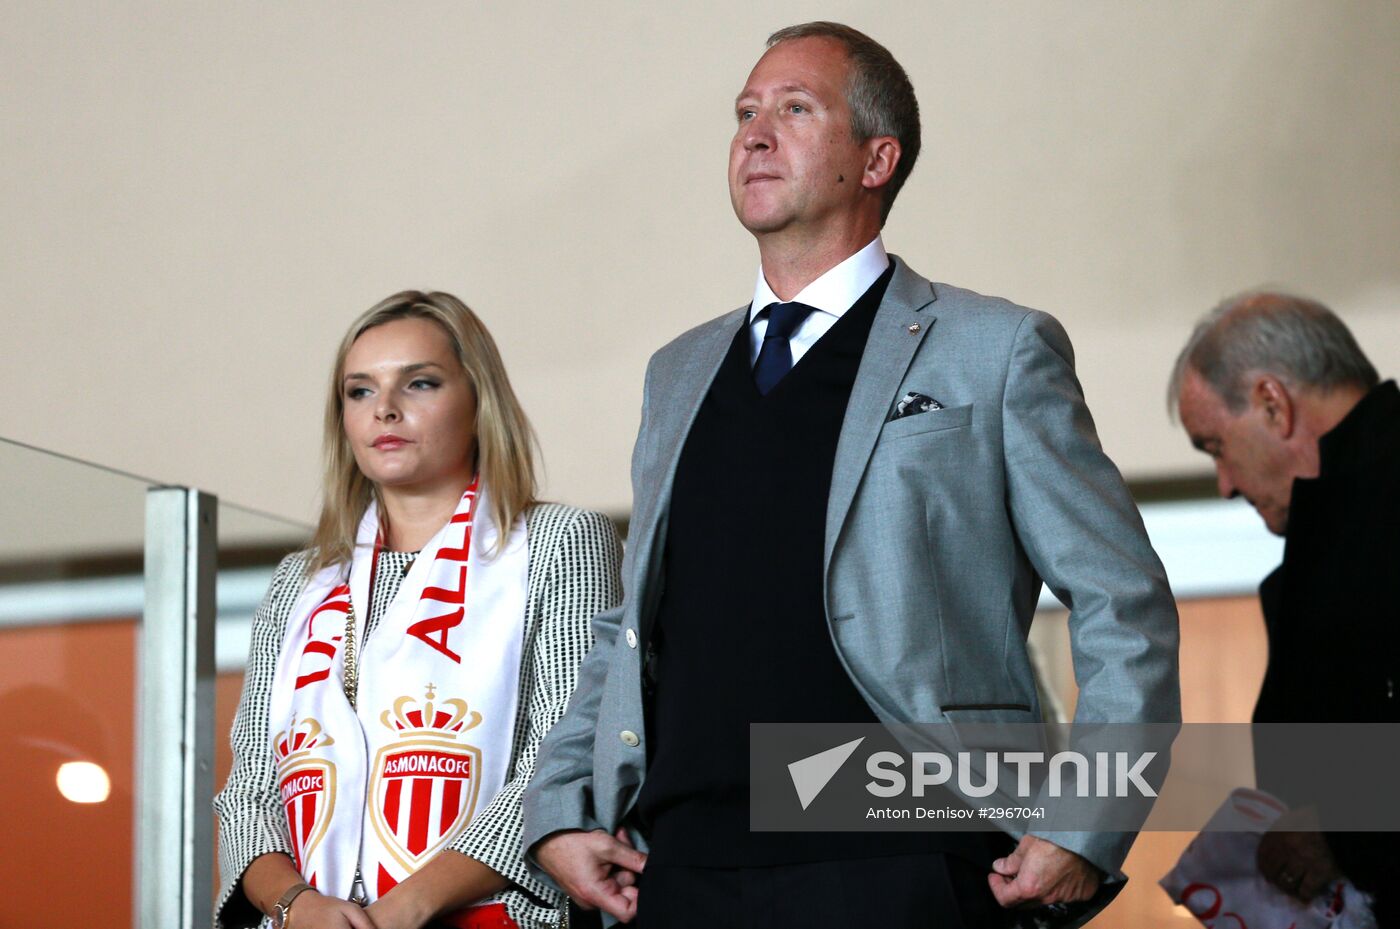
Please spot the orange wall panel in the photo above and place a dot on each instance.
(66, 694)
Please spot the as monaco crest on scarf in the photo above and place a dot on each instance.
(305, 784)
(424, 786)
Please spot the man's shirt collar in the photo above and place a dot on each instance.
(837, 289)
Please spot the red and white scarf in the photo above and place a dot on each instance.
(390, 784)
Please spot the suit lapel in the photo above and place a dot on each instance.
(901, 323)
(675, 401)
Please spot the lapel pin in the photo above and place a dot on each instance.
(913, 328)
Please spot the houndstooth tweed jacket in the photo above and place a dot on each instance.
(573, 574)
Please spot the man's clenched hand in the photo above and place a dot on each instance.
(597, 870)
(1039, 872)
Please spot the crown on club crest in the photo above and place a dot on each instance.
(430, 716)
(299, 739)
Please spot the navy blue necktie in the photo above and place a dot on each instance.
(775, 356)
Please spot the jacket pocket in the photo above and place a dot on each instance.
(933, 421)
(955, 707)
(997, 727)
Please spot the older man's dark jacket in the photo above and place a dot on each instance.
(1332, 610)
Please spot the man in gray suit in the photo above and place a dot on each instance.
(846, 495)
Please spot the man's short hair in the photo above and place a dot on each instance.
(1299, 341)
(878, 92)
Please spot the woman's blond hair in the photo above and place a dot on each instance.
(505, 442)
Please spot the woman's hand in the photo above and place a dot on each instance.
(270, 876)
(448, 882)
(311, 910)
(395, 911)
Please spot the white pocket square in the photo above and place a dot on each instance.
(913, 403)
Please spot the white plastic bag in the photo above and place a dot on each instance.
(1218, 880)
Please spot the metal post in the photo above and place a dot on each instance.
(175, 713)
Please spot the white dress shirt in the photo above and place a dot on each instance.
(831, 294)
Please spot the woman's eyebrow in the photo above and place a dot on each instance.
(403, 369)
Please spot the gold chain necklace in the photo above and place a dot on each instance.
(352, 665)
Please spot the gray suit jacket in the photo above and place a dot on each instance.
(939, 530)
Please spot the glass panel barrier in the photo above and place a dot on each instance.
(71, 596)
(251, 544)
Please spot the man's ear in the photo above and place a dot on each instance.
(881, 157)
(1271, 397)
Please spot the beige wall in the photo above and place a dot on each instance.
(197, 198)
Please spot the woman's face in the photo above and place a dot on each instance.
(410, 412)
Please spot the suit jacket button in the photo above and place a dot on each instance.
(631, 638)
(629, 738)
